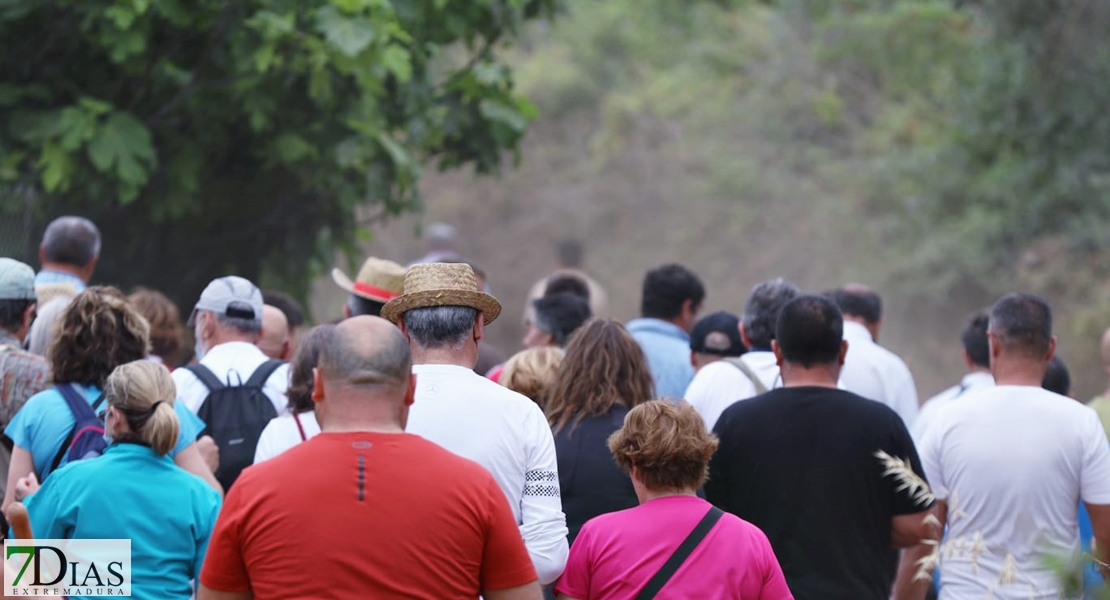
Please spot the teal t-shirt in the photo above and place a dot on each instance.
(131, 493)
(42, 424)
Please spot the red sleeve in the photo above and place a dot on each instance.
(224, 568)
(505, 560)
(575, 580)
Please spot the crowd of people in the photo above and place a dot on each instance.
(775, 453)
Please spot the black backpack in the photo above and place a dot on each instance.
(235, 416)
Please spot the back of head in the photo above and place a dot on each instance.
(667, 288)
(301, 367)
(235, 302)
(530, 372)
(567, 284)
(440, 236)
(294, 312)
(717, 334)
(98, 332)
(167, 334)
(1022, 326)
(73, 241)
(1057, 379)
(359, 306)
(569, 252)
(440, 326)
(810, 330)
(17, 293)
(857, 300)
(561, 315)
(603, 366)
(974, 338)
(143, 392)
(365, 354)
(761, 312)
(667, 443)
(274, 341)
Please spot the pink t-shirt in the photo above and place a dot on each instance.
(616, 554)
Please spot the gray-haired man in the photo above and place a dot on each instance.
(443, 315)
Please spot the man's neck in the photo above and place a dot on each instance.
(466, 357)
(77, 272)
(347, 426)
(222, 338)
(797, 375)
(1018, 372)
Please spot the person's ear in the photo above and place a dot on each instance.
(317, 385)
(346, 312)
(843, 352)
(995, 347)
(479, 328)
(29, 315)
(777, 350)
(404, 330)
(744, 336)
(410, 393)
(693, 359)
(87, 270)
(1051, 349)
(285, 350)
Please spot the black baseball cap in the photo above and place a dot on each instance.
(718, 333)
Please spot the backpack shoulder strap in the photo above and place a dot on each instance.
(206, 376)
(300, 428)
(263, 372)
(747, 371)
(79, 407)
(684, 550)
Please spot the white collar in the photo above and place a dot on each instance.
(855, 332)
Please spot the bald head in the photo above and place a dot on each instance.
(275, 333)
(369, 352)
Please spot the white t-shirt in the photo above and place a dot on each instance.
(972, 381)
(507, 434)
(877, 373)
(232, 363)
(281, 434)
(718, 385)
(1013, 462)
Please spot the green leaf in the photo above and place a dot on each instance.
(9, 165)
(350, 35)
(293, 148)
(396, 152)
(398, 61)
(499, 112)
(124, 144)
(76, 127)
(57, 167)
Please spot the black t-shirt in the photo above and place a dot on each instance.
(799, 463)
(589, 479)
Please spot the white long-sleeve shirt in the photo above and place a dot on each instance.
(877, 373)
(507, 434)
(929, 409)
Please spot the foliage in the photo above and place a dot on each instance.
(246, 136)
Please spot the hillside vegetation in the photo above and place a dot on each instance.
(942, 152)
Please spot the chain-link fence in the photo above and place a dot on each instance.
(17, 211)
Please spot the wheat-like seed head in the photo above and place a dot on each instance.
(1009, 571)
(908, 480)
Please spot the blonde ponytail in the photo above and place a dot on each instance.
(144, 393)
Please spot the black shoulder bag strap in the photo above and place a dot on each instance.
(680, 555)
(206, 376)
(262, 374)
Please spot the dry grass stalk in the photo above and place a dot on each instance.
(907, 480)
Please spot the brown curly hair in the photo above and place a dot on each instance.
(667, 443)
(98, 332)
(603, 366)
(167, 334)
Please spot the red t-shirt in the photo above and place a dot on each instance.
(370, 515)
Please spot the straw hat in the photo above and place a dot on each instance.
(379, 280)
(441, 284)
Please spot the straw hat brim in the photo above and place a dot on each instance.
(344, 281)
(483, 302)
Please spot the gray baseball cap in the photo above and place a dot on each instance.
(17, 280)
(230, 296)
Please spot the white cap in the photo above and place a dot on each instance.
(230, 296)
